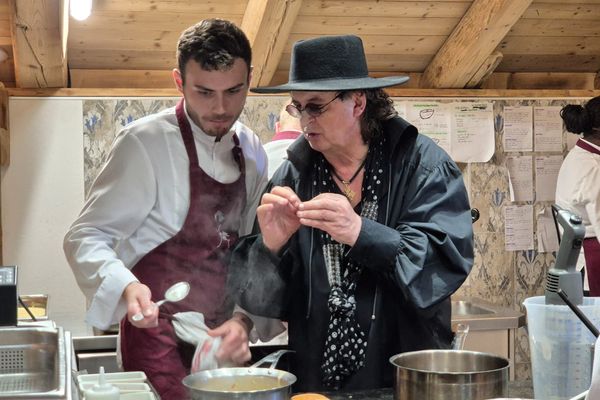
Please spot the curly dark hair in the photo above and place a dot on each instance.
(214, 44)
(379, 108)
(583, 119)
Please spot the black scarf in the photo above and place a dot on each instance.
(346, 343)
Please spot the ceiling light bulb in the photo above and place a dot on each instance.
(81, 9)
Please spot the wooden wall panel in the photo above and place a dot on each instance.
(535, 45)
(180, 6)
(378, 8)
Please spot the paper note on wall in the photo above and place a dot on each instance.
(518, 227)
(547, 236)
(546, 174)
(472, 137)
(518, 129)
(547, 128)
(431, 119)
(520, 178)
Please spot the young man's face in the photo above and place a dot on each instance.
(214, 99)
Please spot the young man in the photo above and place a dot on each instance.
(178, 189)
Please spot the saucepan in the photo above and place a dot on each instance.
(449, 375)
(249, 383)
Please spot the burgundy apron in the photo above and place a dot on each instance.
(591, 246)
(196, 254)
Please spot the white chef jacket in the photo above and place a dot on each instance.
(140, 199)
(276, 153)
(578, 187)
(578, 190)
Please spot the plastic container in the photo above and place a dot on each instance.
(561, 347)
(102, 390)
(133, 376)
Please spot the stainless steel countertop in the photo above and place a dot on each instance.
(485, 315)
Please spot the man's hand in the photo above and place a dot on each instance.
(234, 344)
(277, 217)
(332, 213)
(141, 311)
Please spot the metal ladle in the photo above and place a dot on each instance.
(175, 293)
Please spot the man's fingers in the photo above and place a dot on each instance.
(317, 215)
(221, 330)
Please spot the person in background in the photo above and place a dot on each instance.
(287, 129)
(365, 230)
(578, 183)
(177, 190)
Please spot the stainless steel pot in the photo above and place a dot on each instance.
(250, 383)
(449, 375)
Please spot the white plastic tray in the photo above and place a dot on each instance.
(138, 396)
(131, 377)
(124, 387)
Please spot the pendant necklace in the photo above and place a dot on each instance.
(349, 193)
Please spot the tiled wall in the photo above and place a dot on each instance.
(501, 277)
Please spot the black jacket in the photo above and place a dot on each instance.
(418, 253)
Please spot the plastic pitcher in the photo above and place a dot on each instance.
(561, 347)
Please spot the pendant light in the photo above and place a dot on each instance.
(81, 9)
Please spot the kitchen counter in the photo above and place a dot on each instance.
(482, 315)
(516, 389)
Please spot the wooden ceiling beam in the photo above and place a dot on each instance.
(121, 78)
(268, 24)
(39, 29)
(485, 70)
(473, 40)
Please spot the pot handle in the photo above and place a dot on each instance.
(272, 359)
(460, 336)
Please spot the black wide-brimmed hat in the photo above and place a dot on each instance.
(330, 63)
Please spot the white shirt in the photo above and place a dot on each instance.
(276, 153)
(578, 187)
(140, 199)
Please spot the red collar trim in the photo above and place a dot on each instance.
(286, 135)
(587, 146)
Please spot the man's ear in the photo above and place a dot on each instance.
(177, 79)
(360, 103)
(250, 75)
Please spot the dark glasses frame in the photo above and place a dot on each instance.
(313, 110)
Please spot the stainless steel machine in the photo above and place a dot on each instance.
(563, 277)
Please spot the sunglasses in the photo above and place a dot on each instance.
(313, 110)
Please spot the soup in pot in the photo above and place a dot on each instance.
(247, 383)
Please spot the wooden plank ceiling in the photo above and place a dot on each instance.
(514, 44)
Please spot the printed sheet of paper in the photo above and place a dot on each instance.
(518, 228)
(518, 128)
(472, 137)
(520, 178)
(431, 119)
(400, 107)
(547, 238)
(547, 128)
(546, 174)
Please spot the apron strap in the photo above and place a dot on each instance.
(587, 146)
(186, 133)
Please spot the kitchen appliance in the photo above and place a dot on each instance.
(8, 295)
(561, 347)
(250, 383)
(449, 375)
(564, 275)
